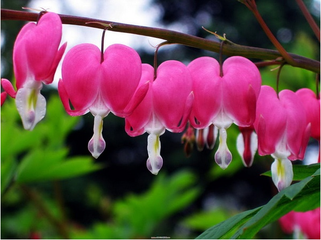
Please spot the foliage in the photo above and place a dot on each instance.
(46, 158)
(302, 196)
(139, 215)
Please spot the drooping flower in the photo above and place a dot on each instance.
(302, 223)
(282, 131)
(246, 144)
(36, 55)
(312, 109)
(166, 106)
(100, 85)
(188, 139)
(224, 97)
(312, 106)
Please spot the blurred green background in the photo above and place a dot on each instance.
(52, 188)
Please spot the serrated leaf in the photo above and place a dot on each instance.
(140, 214)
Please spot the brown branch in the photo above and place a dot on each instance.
(171, 37)
(34, 197)
(251, 5)
(309, 18)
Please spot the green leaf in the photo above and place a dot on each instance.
(225, 229)
(58, 123)
(7, 173)
(203, 220)
(139, 215)
(44, 165)
(72, 167)
(300, 171)
(301, 196)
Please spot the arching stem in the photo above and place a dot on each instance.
(172, 37)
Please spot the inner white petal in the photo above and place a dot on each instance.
(154, 126)
(222, 120)
(282, 173)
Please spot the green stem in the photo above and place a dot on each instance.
(278, 78)
(309, 18)
(172, 37)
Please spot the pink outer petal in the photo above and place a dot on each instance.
(35, 50)
(287, 222)
(66, 101)
(309, 223)
(81, 77)
(42, 45)
(7, 86)
(270, 122)
(135, 123)
(241, 84)
(207, 91)
(296, 123)
(54, 65)
(3, 98)
(121, 72)
(20, 67)
(171, 95)
(312, 107)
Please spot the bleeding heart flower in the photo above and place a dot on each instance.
(166, 106)
(282, 131)
(224, 97)
(246, 144)
(306, 223)
(312, 106)
(100, 85)
(36, 55)
(312, 109)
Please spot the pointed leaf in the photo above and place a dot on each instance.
(52, 165)
(301, 196)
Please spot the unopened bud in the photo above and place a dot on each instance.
(188, 139)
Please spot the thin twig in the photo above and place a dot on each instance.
(33, 196)
(171, 37)
(309, 18)
(251, 5)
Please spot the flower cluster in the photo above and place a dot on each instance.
(206, 95)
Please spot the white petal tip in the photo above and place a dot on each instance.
(223, 158)
(282, 173)
(31, 106)
(154, 165)
(96, 148)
